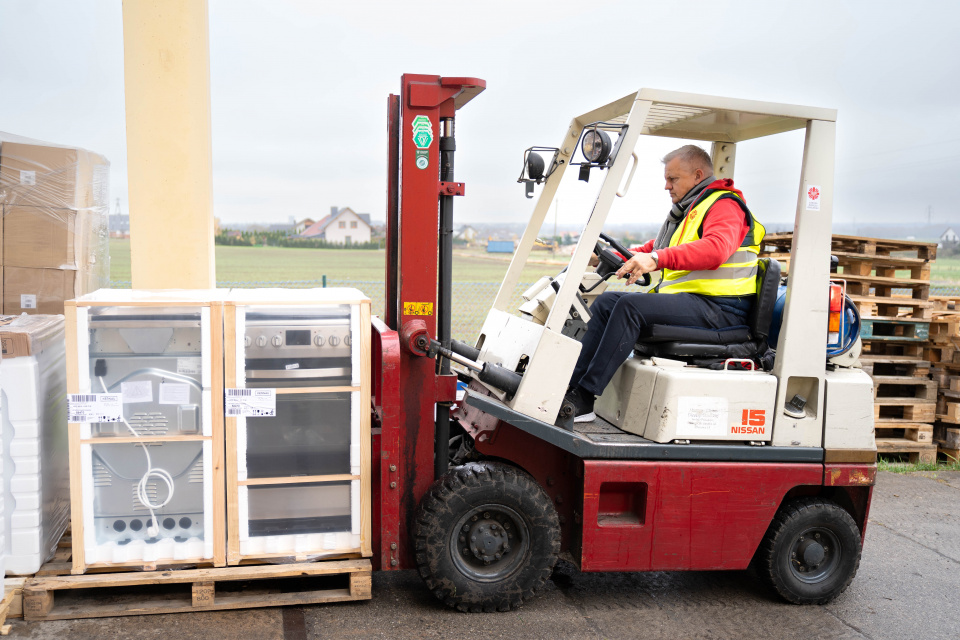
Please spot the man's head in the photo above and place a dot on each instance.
(685, 168)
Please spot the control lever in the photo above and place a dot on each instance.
(794, 408)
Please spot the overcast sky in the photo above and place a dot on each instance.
(299, 93)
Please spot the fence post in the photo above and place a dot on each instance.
(324, 281)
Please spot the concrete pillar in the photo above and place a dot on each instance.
(166, 51)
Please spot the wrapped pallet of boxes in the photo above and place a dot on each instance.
(55, 209)
(33, 386)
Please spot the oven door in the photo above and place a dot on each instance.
(309, 436)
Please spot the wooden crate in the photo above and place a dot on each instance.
(279, 545)
(144, 593)
(81, 438)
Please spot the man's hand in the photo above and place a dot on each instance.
(636, 266)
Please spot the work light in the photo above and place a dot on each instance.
(596, 146)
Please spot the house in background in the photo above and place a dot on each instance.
(466, 234)
(342, 226)
(303, 225)
(949, 237)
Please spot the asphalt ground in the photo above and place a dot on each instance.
(907, 588)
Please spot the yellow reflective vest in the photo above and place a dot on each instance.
(737, 276)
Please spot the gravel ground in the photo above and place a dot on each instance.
(906, 588)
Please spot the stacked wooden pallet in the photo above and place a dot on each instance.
(889, 282)
(943, 351)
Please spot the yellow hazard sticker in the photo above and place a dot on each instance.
(418, 308)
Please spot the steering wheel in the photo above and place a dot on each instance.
(610, 262)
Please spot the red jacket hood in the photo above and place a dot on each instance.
(727, 185)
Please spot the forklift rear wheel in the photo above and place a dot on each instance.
(487, 537)
(811, 551)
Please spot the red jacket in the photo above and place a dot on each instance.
(724, 228)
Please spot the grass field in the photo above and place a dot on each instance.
(275, 264)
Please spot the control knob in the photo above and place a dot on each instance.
(347, 340)
(334, 341)
(247, 341)
(276, 341)
(318, 340)
(261, 341)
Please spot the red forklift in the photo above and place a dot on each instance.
(686, 467)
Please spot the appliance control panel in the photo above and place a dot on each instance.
(283, 342)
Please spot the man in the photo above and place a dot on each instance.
(707, 251)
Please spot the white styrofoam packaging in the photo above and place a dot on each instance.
(36, 496)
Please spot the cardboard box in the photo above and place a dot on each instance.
(27, 335)
(51, 176)
(36, 291)
(41, 237)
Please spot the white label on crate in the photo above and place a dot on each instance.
(136, 391)
(254, 403)
(174, 393)
(813, 197)
(94, 407)
(28, 178)
(28, 301)
(701, 417)
(190, 366)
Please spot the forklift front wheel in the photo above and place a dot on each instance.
(811, 551)
(487, 537)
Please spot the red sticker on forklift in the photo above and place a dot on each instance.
(418, 308)
(813, 197)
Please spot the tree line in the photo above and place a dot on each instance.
(228, 237)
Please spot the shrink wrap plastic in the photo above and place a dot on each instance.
(54, 240)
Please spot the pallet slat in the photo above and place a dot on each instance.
(199, 592)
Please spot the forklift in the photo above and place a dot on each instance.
(699, 459)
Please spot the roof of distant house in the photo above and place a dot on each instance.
(317, 228)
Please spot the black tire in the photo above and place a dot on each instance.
(811, 551)
(486, 537)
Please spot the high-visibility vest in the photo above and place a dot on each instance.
(737, 276)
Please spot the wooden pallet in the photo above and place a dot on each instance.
(214, 589)
(895, 366)
(915, 451)
(898, 411)
(893, 307)
(904, 350)
(10, 604)
(937, 353)
(948, 454)
(922, 433)
(945, 329)
(858, 245)
(894, 329)
(904, 387)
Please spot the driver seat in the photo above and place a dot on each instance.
(706, 347)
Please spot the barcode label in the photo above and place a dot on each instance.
(94, 407)
(251, 403)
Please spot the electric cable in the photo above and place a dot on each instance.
(154, 529)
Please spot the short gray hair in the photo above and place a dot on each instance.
(693, 156)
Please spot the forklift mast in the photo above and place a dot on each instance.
(420, 192)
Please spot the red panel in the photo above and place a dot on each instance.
(386, 519)
(699, 515)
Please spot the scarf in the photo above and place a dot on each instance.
(677, 212)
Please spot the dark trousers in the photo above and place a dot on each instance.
(617, 318)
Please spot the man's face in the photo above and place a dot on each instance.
(680, 179)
